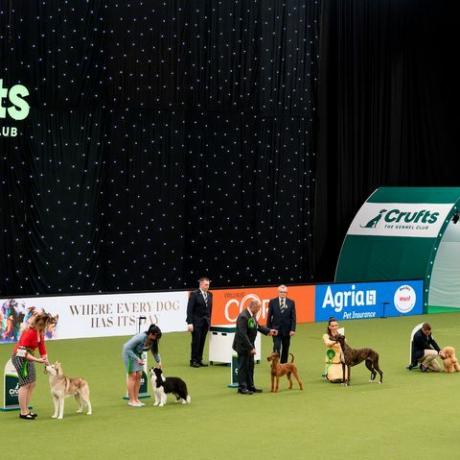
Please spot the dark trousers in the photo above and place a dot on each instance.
(281, 345)
(245, 370)
(198, 340)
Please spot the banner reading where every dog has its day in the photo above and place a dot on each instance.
(229, 303)
(96, 316)
(118, 314)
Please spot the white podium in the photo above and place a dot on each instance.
(221, 341)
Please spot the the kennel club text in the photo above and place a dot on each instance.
(352, 298)
(123, 314)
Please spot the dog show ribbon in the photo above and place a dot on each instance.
(330, 354)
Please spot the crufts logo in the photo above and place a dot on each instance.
(375, 220)
(14, 392)
(405, 298)
(13, 105)
(395, 216)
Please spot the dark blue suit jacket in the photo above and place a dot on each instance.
(246, 332)
(198, 313)
(282, 322)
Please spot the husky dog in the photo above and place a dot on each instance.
(62, 387)
(162, 386)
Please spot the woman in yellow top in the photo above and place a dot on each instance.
(333, 370)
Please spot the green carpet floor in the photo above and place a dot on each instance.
(412, 414)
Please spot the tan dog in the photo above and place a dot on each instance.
(450, 360)
(62, 387)
(278, 370)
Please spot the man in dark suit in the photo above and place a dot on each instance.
(199, 310)
(244, 345)
(425, 350)
(281, 316)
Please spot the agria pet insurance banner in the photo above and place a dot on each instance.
(368, 300)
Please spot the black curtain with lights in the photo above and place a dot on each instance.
(164, 141)
(388, 104)
(237, 139)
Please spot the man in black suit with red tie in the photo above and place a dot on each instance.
(282, 317)
(199, 310)
(244, 344)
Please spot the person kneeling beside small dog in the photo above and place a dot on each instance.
(425, 350)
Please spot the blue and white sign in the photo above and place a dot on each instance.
(368, 300)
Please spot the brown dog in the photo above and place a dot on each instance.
(353, 356)
(278, 370)
(450, 360)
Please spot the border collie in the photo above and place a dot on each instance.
(162, 386)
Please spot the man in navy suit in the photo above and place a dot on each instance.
(199, 310)
(281, 317)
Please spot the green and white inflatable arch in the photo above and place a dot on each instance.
(403, 233)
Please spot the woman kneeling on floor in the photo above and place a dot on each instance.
(333, 371)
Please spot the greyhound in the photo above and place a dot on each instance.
(351, 357)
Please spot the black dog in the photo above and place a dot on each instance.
(352, 357)
(162, 386)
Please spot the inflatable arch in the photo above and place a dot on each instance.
(402, 233)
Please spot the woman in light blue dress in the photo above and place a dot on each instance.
(132, 357)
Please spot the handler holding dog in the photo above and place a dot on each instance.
(23, 359)
(425, 350)
(132, 357)
(244, 345)
(333, 370)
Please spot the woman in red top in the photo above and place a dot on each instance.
(23, 359)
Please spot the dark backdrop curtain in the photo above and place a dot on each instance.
(166, 140)
(388, 107)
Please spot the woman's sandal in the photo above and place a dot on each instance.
(33, 414)
(27, 416)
